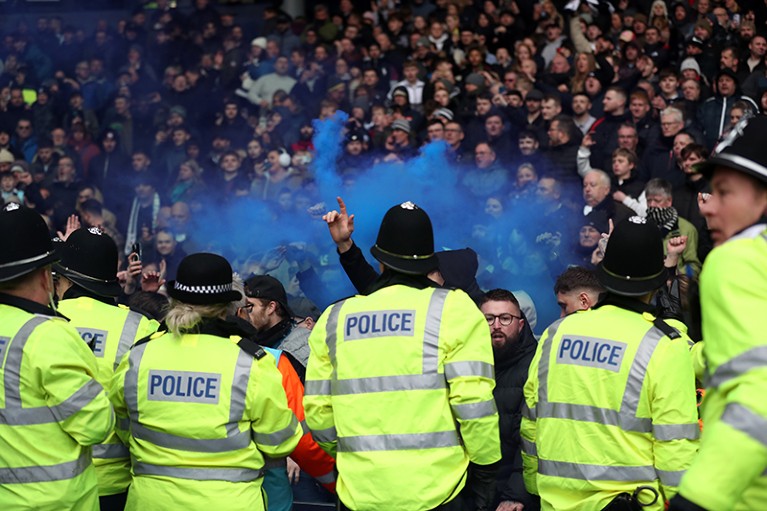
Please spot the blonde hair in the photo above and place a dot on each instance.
(185, 317)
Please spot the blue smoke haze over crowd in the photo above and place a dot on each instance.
(244, 232)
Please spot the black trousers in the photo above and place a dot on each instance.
(113, 502)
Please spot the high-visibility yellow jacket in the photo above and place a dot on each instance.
(198, 415)
(730, 472)
(51, 409)
(399, 388)
(610, 406)
(110, 331)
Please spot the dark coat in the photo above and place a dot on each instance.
(510, 377)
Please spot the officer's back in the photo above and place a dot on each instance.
(611, 391)
(51, 407)
(389, 373)
(88, 287)
(198, 411)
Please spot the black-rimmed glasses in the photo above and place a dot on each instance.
(503, 319)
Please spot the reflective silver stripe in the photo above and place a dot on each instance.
(45, 473)
(235, 438)
(12, 367)
(676, 431)
(596, 414)
(278, 437)
(317, 388)
(630, 402)
(398, 442)
(626, 418)
(131, 381)
(529, 447)
(588, 472)
(240, 440)
(389, 384)
(128, 335)
(304, 427)
(325, 435)
(122, 424)
(239, 391)
(746, 421)
(232, 475)
(543, 363)
(328, 478)
(431, 331)
(77, 401)
(670, 478)
(458, 369)
(107, 451)
(528, 413)
(736, 366)
(60, 412)
(331, 334)
(475, 410)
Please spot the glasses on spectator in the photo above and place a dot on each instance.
(503, 319)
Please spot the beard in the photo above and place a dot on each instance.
(503, 344)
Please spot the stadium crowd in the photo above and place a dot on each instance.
(556, 119)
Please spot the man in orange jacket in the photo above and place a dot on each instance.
(308, 455)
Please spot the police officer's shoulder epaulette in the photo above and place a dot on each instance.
(671, 332)
(149, 337)
(251, 348)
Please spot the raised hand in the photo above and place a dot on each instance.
(341, 226)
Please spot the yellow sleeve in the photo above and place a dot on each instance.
(276, 430)
(733, 453)
(117, 397)
(70, 384)
(671, 387)
(528, 424)
(470, 376)
(318, 405)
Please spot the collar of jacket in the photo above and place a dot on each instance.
(625, 302)
(272, 337)
(223, 328)
(394, 278)
(77, 292)
(29, 306)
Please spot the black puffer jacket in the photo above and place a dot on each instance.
(510, 377)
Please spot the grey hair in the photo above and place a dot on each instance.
(604, 178)
(673, 111)
(237, 285)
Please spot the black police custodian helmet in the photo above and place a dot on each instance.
(27, 244)
(406, 240)
(89, 259)
(742, 149)
(203, 279)
(633, 263)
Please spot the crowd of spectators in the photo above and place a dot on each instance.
(583, 113)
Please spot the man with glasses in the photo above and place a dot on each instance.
(268, 311)
(513, 349)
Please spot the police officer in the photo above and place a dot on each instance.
(52, 408)
(198, 405)
(730, 470)
(87, 284)
(399, 383)
(611, 391)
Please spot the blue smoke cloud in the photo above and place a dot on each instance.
(428, 180)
